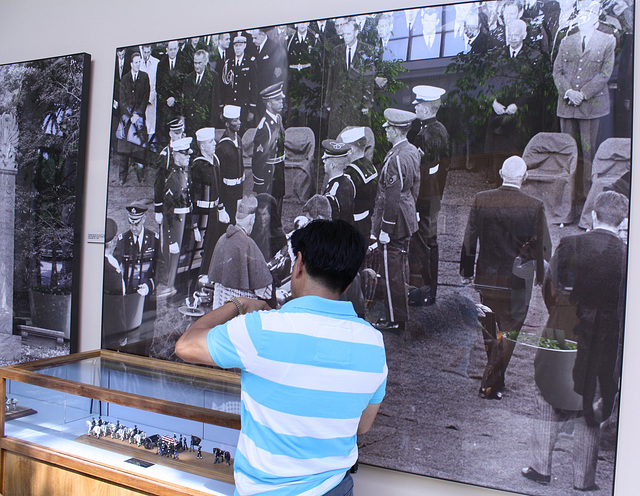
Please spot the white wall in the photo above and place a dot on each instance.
(32, 29)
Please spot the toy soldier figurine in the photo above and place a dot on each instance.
(172, 204)
(432, 142)
(340, 190)
(394, 218)
(268, 147)
(199, 455)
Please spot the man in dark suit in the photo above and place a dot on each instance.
(270, 58)
(134, 98)
(122, 67)
(517, 112)
(592, 267)
(172, 70)
(221, 53)
(240, 83)
(349, 94)
(502, 220)
(394, 217)
(581, 72)
(304, 75)
(201, 96)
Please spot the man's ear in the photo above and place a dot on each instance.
(297, 265)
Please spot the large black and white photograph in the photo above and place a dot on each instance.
(482, 149)
(43, 115)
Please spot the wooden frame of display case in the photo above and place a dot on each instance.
(25, 466)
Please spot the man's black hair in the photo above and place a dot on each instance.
(332, 251)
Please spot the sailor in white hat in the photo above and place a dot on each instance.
(205, 188)
(340, 190)
(231, 165)
(364, 176)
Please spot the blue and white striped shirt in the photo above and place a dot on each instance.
(308, 372)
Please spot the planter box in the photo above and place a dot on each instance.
(50, 311)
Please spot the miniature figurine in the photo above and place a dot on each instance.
(199, 455)
(227, 457)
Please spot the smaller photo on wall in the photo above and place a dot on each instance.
(43, 120)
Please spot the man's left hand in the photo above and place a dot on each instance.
(384, 238)
(143, 289)
(512, 109)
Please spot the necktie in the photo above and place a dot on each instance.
(348, 58)
(198, 77)
(584, 38)
(171, 62)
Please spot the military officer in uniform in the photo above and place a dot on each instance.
(231, 165)
(268, 147)
(205, 191)
(137, 252)
(394, 217)
(581, 72)
(364, 176)
(239, 82)
(432, 142)
(172, 200)
(340, 190)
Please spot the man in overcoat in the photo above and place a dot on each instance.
(501, 221)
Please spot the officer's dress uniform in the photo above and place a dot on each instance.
(268, 158)
(172, 198)
(205, 191)
(432, 143)
(395, 214)
(240, 86)
(137, 256)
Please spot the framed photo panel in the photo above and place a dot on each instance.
(44, 109)
(483, 149)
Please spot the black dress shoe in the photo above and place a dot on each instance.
(535, 476)
(386, 325)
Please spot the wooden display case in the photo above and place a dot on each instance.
(48, 437)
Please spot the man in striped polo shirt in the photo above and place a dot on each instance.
(313, 373)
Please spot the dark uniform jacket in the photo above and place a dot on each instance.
(365, 179)
(138, 264)
(201, 103)
(231, 171)
(268, 156)
(395, 210)
(205, 187)
(341, 193)
(432, 142)
(240, 84)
